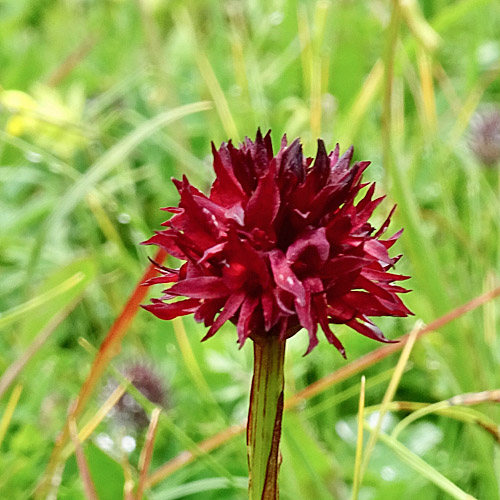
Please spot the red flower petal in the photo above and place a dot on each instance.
(208, 287)
(376, 249)
(368, 329)
(231, 306)
(167, 243)
(315, 239)
(172, 310)
(243, 327)
(263, 206)
(226, 190)
(284, 276)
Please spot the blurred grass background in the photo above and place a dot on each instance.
(102, 102)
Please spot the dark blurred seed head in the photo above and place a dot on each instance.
(127, 411)
(484, 138)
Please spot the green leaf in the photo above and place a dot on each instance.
(304, 461)
(106, 473)
(424, 469)
(200, 486)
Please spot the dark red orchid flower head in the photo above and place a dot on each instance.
(279, 244)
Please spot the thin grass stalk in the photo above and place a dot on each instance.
(128, 485)
(422, 467)
(463, 414)
(72, 60)
(359, 445)
(94, 421)
(147, 452)
(427, 89)
(422, 31)
(264, 419)
(186, 457)
(9, 411)
(489, 312)
(364, 99)
(350, 392)
(14, 369)
(318, 67)
(101, 413)
(20, 311)
(193, 366)
(210, 78)
(305, 47)
(462, 400)
(389, 394)
(389, 57)
(88, 484)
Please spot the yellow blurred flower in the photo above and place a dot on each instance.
(21, 106)
(49, 120)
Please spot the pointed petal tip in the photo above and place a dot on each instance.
(241, 343)
(321, 145)
(309, 349)
(389, 341)
(179, 184)
(349, 153)
(321, 162)
(296, 144)
(313, 342)
(207, 336)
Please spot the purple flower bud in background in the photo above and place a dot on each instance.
(129, 412)
(484, 137)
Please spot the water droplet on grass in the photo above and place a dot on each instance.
(104, 442)
(33, 157)
(123, 218)
(128, 444)
(388, 473)
(276, 18)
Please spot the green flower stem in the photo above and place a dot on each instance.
(264, 419)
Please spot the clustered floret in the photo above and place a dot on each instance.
(279, 244)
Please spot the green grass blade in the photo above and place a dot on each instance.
(423, 468)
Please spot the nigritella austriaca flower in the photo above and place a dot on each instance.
(281, 243)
